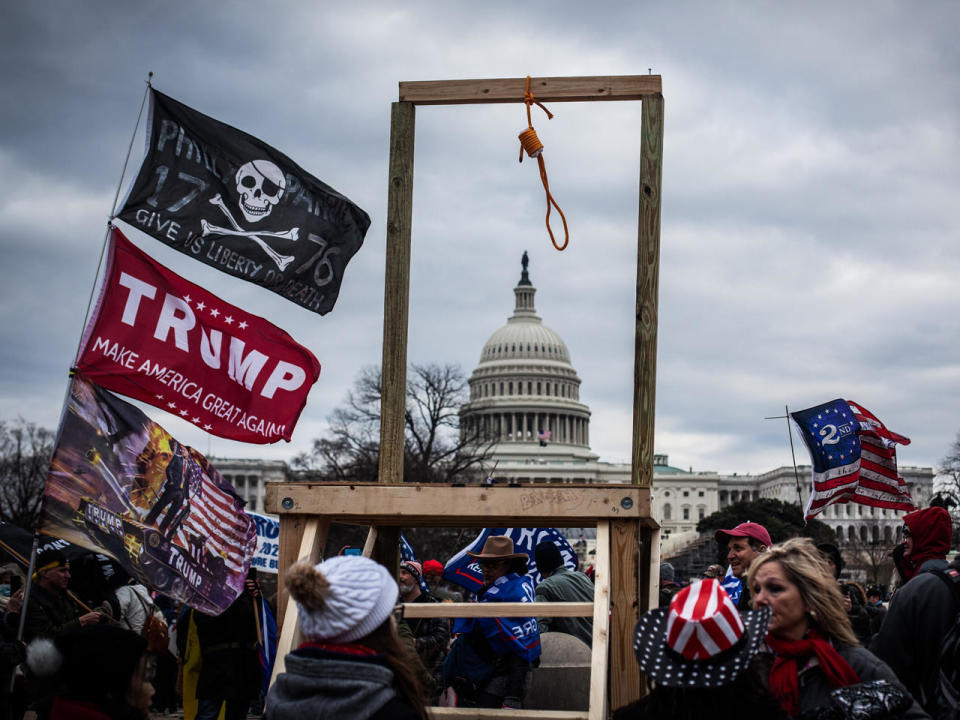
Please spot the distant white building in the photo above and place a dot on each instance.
(250, 477)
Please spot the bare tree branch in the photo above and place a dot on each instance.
(435, 450)
(25, 451)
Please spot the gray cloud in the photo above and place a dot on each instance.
(808, 229)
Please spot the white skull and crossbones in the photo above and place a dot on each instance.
(260, 184)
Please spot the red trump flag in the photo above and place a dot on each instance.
(159, 338)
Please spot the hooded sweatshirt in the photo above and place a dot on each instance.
(321, 683)
(932, 531)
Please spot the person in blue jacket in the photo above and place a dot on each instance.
(511, 645)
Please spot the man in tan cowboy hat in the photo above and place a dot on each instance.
(510, 645)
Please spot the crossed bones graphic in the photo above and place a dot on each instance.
(281, 260)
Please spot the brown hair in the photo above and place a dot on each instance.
(385, 641)
(806, 568)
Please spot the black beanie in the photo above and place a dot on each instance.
(833, 552)
(547, 556)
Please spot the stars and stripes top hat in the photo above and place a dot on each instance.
(700, 640)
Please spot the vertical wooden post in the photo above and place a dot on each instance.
(396, 297)
(648, 280)
(624, 581)
(625, 682)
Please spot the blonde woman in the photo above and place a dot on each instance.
(813, 648)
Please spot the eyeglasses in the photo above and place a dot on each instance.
(492, 563)
(907, 533)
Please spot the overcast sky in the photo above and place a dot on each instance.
(810, 194)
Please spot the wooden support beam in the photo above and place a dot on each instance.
(497, 609)
(441, 713)
(370, 542)
(396, 297)
(545, 89)
(314, 535)
(600, 654)
(648, 280)
(624, 586)
(416, 505)
(291, 533)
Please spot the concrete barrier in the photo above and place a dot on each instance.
(562, 682)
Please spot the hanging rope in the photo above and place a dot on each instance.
(534, 148)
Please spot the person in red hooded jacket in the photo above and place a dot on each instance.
(923, 609)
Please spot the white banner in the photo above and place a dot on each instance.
(268, 542)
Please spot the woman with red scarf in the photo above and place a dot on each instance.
(812, 647)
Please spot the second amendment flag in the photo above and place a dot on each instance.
(233, 202)
(163, 340)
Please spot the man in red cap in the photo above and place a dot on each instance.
(923, 609)
(744, 543)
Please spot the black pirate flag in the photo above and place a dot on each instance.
(227, 199)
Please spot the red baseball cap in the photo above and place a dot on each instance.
(433, 567)
(748, 530)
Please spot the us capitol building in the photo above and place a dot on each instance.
(525, 397)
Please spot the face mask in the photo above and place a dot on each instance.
(4, 589)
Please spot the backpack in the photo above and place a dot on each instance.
(948, 680)
(155, 628)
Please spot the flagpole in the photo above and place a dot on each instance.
(31, 567)
(793, 455)
(113, 210)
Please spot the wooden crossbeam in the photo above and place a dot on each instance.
(418, 505)
(441, 713)
(512, 609)
(545, 89)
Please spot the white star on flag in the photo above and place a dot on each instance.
(243, 325)
(196, 420)
(184, 413)
(159, 397)
(215, 312)
(186, 299)
(201, 305)
(207, 427)
(228, 320)
(171, 405)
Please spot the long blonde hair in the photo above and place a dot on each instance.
(804, 566)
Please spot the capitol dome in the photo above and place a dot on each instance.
(524, 393)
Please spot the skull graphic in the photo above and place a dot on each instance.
(260, 184)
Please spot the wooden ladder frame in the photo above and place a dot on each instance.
(627, 537)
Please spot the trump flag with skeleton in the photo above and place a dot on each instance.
(229, 200)
(120, 485)
(163, 340)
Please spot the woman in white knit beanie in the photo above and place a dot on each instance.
(352, 664)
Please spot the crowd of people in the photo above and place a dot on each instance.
(778, 635)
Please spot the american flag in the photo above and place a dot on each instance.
(216, 519)
(544, 437)
(853, 456)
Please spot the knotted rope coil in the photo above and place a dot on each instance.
(530, 143)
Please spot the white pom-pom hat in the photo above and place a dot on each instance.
(361, 595)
